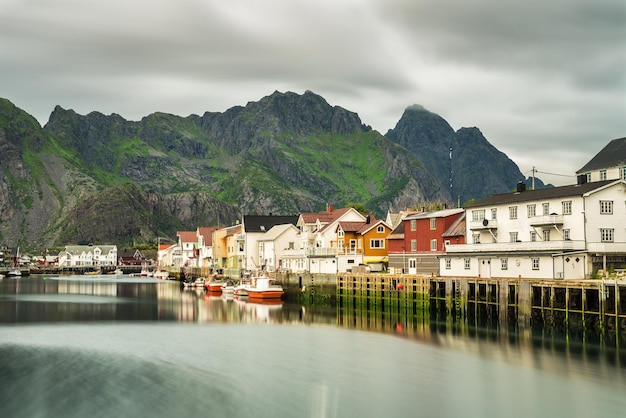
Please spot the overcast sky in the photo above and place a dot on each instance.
(545, 81)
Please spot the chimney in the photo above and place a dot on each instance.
(329, 207)
(521, 186)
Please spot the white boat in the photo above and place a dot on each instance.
(199, 282)
(161, 274)
(118, 271)
(14, 273)
(228, 287)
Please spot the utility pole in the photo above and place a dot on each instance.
(533, 178)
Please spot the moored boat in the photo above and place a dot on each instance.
(14, 273)
(161, 274)
(199, 282)
(214, 285)
(264, 290)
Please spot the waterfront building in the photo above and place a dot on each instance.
(88, 256)
(254, 228)
(320, 241)
(205, 246)
(415, 244)
(188, 243)
(277, 249)
(568, 232)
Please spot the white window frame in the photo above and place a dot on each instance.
(567, 207)
(512, 212)
(607, 234)
(532, 210)
(606, 207)
(535, 263)
(433, 245)
(466, 263)
(504, 264)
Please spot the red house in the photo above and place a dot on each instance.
(415, 245)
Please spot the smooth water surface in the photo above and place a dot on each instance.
(109, 346)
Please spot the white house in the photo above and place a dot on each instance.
(564, 232)
(88, 256)
(319, 238)
(277, 247)
(254, 229)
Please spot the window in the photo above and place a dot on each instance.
(567, 207)
(602, 175)
(413, 225)
(413, 245)
(532, 210)
(512, 212)
(513, 236)
(352, 245)
(494, 214)
(606, 207)
(504, 263)
(476, 238)
(448, 264)
(533, 236)
(566, 235)
(380, 229)
(606, 234)
(433, 245)
(478, 215)
(374, 243)
(588, 175)
(546, 235)
(433, 223)
(340, 233)
(623, 170)
(466, 263)
(545, 207)
(535, 262)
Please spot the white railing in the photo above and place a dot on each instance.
(510, 247)
(547, 220)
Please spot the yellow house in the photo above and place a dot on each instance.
(368, 238)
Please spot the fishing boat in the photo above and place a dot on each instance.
(262, 289)
(161, 274)
(199, 282)
(214, 285)
(228, 286)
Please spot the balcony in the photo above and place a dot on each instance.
(547, 220)
(322, 251)
(516, 247)
(483, 224)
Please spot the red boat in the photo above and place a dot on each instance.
(263, 290)
(214, 285)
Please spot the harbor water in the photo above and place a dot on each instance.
(120, 346)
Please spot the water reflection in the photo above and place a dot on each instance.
(153, 348)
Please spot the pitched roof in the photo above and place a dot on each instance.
(207, 233)
(187, 236)
(457, 228)
(541, 194)
(612, 155)
(259, 223)
(277, 231)
(444, 213)
(323, 217)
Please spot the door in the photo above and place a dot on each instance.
(412, 266)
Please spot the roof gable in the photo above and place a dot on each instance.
(612, 155)
(256, 223)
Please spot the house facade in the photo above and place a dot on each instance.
(188, 244)
(88, 256)
(321, 243)
(567, 232)
(254, 229)
(414, 246)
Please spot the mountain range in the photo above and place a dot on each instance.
(101, 178)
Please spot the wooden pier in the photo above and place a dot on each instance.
(596, 308)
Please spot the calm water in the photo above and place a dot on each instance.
(105, 346)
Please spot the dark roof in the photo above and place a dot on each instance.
(259, 223)
(613, 155)
(540, 194)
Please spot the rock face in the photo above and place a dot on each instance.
(97, 178)
(469, 165)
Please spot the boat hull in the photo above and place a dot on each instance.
(265, 294)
